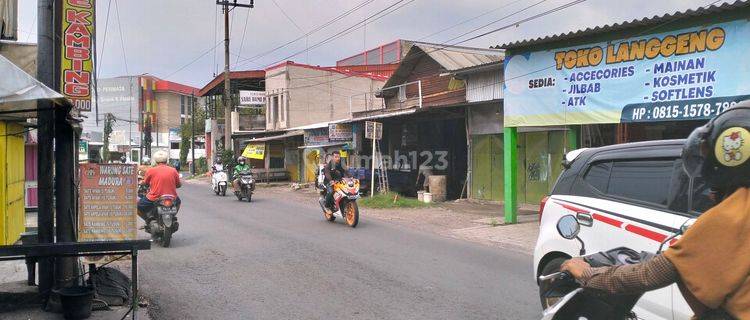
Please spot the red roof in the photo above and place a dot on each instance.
(233, 75)
(376, 72)
(166, 85)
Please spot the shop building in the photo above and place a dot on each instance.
(302, 102)
(424, 116)
(646, 79)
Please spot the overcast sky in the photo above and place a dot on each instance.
(162, 36)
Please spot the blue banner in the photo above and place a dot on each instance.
(687, 74)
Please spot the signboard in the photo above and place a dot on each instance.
(688, 74)
(174, 134)
(252, 98)
(373, 130)
(107, 202)
(83, 150)
(76, 54)
(255, 151)
(340, 132)
(316, 137)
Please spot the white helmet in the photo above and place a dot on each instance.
(161, 156)
(146, 160)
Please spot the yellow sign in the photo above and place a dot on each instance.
(76, 52)
(255, 151)
(732, 147)
(343, 153)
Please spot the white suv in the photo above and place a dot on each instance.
(631, 195)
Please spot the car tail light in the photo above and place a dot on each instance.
(541, 207)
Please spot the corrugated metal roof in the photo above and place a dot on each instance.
(454, 57)
(451, 58)
(646, 21)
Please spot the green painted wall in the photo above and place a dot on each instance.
(487, 167)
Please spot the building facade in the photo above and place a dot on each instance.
(135, 103)
(640, 80)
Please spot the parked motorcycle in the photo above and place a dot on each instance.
(247, 186)
(567, 300)
(219, 180)
(164, 223)
(345, 195)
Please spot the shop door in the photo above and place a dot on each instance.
(481, 172)
(497, 176)
(487, 167)
(537, 165)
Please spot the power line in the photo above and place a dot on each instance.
(316, 29)
(196, 59)
(470, 19)
(122, 41)
(243, 36)
(378, 15)
(287, 16)
(444, 46)
(104, 41)
(216, 22)
(501, 19)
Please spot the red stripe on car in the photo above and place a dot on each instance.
(607, 220)
(658, 237)
(572, 208)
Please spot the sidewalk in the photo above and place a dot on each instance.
(21, 301)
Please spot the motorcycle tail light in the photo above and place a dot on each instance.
(167, 202)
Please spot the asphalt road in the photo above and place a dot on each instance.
(276, 258)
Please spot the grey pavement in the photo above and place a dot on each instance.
(276, 258)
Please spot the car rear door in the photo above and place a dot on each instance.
(623, 198)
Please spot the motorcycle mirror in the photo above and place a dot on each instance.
(568, 227)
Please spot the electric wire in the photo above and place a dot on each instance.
(122, 40)
(104, 41)
(314, 30)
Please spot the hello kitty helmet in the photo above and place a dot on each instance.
(720, 150)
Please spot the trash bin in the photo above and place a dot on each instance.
(76, 302)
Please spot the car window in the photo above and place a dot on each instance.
(701, 197)
(680, 200)
(642, 180)
(597, 176)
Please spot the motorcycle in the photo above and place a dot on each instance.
(164, 223)
(219, 180)
(345, 195)
(567, 300)
(247, 186)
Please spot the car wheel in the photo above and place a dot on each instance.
(549, 294)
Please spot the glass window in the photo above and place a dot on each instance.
(373, 56)
(680, 200)
(598, 176)
(702, 200)
(390, 53)
(642, 180)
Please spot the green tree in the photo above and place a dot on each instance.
(109, 120)
(186, 128)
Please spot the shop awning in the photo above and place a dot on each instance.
(332, 144)
(385, 115)
(277, 137)
(19, 90)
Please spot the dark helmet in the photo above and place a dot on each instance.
(719, 151)
(218, 161)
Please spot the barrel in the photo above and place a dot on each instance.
(438, 188)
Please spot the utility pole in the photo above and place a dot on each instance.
(227, 92)
(45, 137)
(192, 132)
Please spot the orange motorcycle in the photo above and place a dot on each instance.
(345, 195)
